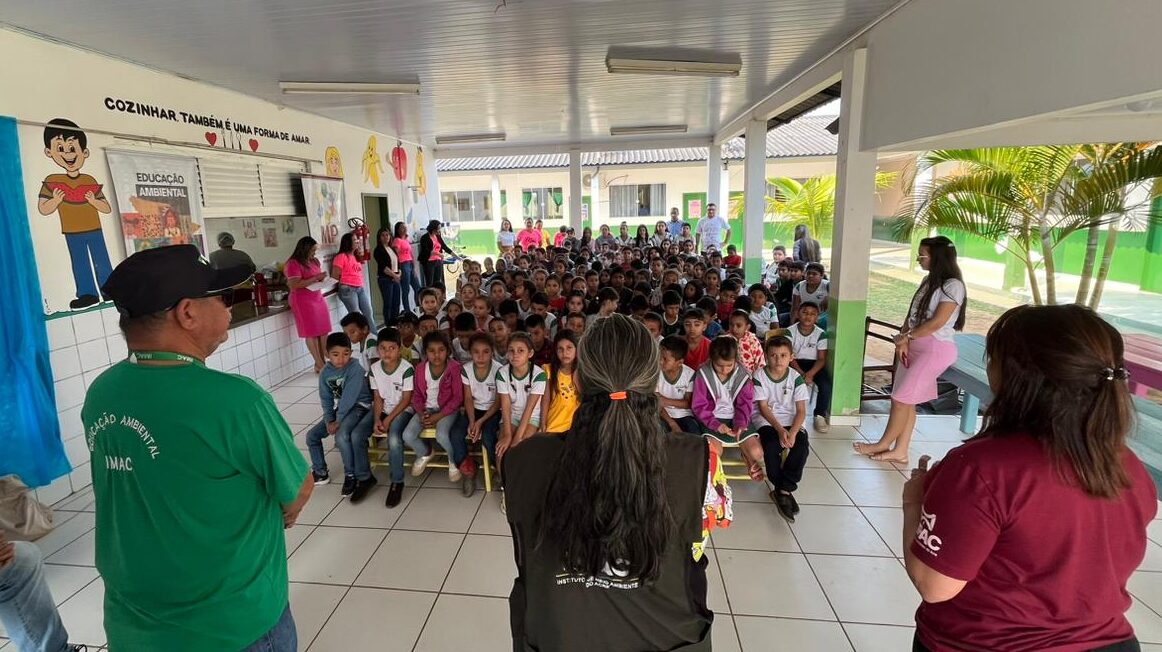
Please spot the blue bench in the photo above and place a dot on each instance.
(969, 374)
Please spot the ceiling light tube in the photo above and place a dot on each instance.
(471, 138)
(672, 61)
(648, 130)
(349, 88)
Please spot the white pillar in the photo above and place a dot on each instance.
(575, 191)
(851, 245)
(755, 193)
(497, 216)
(714, 178)
(595, 201)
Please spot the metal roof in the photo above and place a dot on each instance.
(806, 136)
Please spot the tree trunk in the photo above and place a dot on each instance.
(1087, 268)
(1047, 259)
(1034, 287)
(1106, 260)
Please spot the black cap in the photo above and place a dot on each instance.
(157, 279)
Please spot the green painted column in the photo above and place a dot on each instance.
(1152, 260)
(755, 187)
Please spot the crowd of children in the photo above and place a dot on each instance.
(495, 364)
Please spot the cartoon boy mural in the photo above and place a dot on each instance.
(78, 200)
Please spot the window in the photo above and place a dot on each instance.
(542, 203)
(466, 206)
(642, 200)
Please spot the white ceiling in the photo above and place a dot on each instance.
(534, 69)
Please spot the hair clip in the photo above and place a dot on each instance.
(617, 396)
(1116, 373)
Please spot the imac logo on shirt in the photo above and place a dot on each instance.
(924, 535)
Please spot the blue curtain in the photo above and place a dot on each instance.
(30, 437)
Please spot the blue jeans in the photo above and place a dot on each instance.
(391, 300)
(281, 638)
(351, 438)
(450, 432)
(395, 444)
(489, 432)
(408, 278)
(356, 299)
(26, 606)
(89, 258)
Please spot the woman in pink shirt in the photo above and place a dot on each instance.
(347, 268)
(407, 267)
(528, 237)
(312, 320)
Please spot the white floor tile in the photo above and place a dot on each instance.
(746, 491)
(1154, 531)
(883, 593)
(65, 581)
(756, 526)
(82, 501)
(461, 622)
(67, 528)
(292, 393)
(871, 488)
(715, 589)
(1147, 587)
(484, 566)
(1153, 560)
(939, 428)
(889, 523)
(820, 488)
(82, 552)
(84, 615)
(439, 510)
(489, 519)
(412, 560)
(369, 512)
(1147, 624)
(305, 379)
(398, 618)
(761, 633)
(837, 530)
(840, 455)
(303, 413)
(838, 433)
(1146, 647)
(772, 584)
(333, 555)
(295, 536)
(934, 449)
(323, 500)
(312, 605)
(723, 637)
(879, 638)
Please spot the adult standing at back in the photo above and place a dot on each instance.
(607, 520)
(407, 267)
(309, 308)
(1024, 537)
(711, 230)
(347, 269)
(432, 252)
(195, 473)
(387, 273)
(529, 237)
(674, 226)
(806, 248)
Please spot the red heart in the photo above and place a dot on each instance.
(211, 138)
(253, 145)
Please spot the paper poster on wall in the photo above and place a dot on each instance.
(326, 212)
(332, 163)
(372, 163)
(157, 197)
(694, 209)
(249, 229)
(269, 236)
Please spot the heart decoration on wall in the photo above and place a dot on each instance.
(253, 145)
(211, 138)
(399, 162)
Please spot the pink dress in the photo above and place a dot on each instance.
(312, 319)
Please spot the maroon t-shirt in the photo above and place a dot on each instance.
(1046, 564)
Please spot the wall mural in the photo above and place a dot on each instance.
(78, 200)
(332, 164)
(421, 179)
(372, 163)
(399, 162)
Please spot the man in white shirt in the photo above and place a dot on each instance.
(710, 230)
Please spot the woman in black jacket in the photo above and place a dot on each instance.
(431, 258)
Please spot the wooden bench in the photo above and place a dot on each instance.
(969, 374)
(1144, 362)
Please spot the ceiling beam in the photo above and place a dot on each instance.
(615, 145)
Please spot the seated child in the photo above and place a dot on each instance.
(483, 313)
(671, 313)
(608, 301)
(750, 350)
(561, 398)
(436, 403)
(675, 386)
(452, 310)
(781, 400)
(784, 291)
(541, 308)
(709, 309)
(809, 342)
(762, 313)
(480, 404)
(542, 345)
(520, 386)
(812, 289)
(698, 346)
(427, 324)
(732, 258)
(653, 324)
(464, 328)
(723, 402)
(726, 296)
(392, 382)
(355, 325)
(408, 341)
(346, 400)
(429, 304)
(575, 321)
(499, 331)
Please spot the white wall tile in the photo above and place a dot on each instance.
(65, 362)
(261, 366)
(246, 369)
(60, 332)
(81, 477)
(90, 376)
(229, 360)
(70, 422)
(70, 392)
(94, 354)
(55, 491)
(264, 382)
(88, 326)
(117, 349)
(214, 362)
(77, 450)
(112, 320)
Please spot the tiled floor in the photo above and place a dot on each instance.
(433, 573)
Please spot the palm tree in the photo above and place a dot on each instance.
(810, 203)
(1029, 199)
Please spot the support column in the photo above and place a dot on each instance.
(755, 195)
(595, 220)
(575, 191)
(851, 246)
(714, 180)
(497, 214)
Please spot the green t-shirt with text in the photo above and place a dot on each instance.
(191, 468)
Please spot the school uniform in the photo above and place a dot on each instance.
(805, 350)
(679, 388)
(781, 396)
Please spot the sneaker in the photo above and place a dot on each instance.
(77, 648)
(394, 494)
(454, 474)
(794, 504)
(467, 485)
(421, 464)
(320, 478)
(348, 486)
(821, 424)
(503, 509)
(783, 502)
(361, 489)
(468, 467)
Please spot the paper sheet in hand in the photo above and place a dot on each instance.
(324, 285)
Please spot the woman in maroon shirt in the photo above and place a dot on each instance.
(1024, 537)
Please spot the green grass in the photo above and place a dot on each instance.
(888, 300)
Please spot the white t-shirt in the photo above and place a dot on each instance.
(762, 320)
(519, 389)
(807, 347)
(418, 354)
(952, 292)
(432, 400)
(365, 351)
(711, 231)
(506, 238)
(391, 385)
(459, 353)
(483, 391)
(780, 395)
(771, 274)
(677, 390)
(817, 297)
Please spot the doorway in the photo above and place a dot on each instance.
(375, 216)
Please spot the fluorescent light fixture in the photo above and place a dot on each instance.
(648, 130)
(672, 61)
(349, 88)
(470, 138)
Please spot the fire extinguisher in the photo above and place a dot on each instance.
(361, 235)
(261, 297)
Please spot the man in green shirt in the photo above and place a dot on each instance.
(195, 472)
